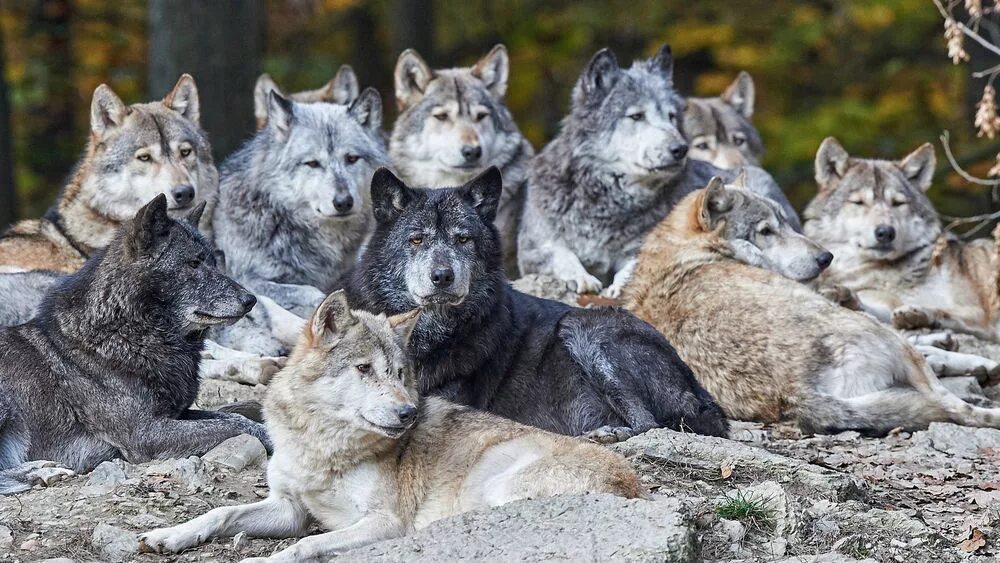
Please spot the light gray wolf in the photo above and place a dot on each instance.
(720, 130)
(453, 124)
(342, 89)
(614, 171)
(359, 452)
(114, 352)
(597, 372)
(769, 347)
(293, 201)
(891, 252)
(134, 152)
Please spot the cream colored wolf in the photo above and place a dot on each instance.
(357, 450)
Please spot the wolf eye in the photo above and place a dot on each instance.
(416, 241)
(702, 146)
(194, 264)
(672, 116)
(482, 115)
(637, 116)
(462, 239)
(898, 202)
(766, 231)
(364, 368)
(351, 158)
(185, 152)
(738, 141)
(144, 157)
(441, 116)
(857, 201)
(312, 163)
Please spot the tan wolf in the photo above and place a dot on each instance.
(720, 129)
(342, 89)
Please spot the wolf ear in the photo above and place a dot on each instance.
(740, 181)
(193, 217)
(150, 226)
(220, 260)
(411, 77)
(483, 193)
(184, 98)
(715, 201)
(261, 93)
(280, 114)
(663, 61)
(919, 166)
(344, 87)
(403, 325)
(107, 110)
(367, 109)
(493, 70)
(600, 75)
(332, 319)
(831, 161)
(390, 196)
(740, 94)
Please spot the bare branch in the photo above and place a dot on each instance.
(945, 142)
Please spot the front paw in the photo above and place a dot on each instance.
(43, 472)
(911, 318)
(609, 434)
(583, 283)
(166, 540)
(614, 291)
(843, 296)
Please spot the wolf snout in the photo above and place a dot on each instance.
(472, 153)
(885, 234)
(442, 278)
(247, 301)
(407, 414)
(679, 150)
(183, 195)
(343, 203)
(824, 259)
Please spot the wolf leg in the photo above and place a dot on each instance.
(946, 364)
(911, 317)
(321, 547)
(242, 367)
(162, 438)
(40, 472)
(286, 327)
(622, 276)
(942, 340)
(300, 300)
(566, 266)
(273, 517)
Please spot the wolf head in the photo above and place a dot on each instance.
(432, 248)
(876, 208)
(453, 122)
(720, 130)
(351, 367)
(629, 120)
(142, 150)
(756, 231)
(342, 89)
(319, 157)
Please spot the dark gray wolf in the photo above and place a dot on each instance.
(596, 372)
(701, 280)
(341, 89)
(354, 442)
(114, 351)
(720, 129)
(293, 202)
(613, 172)
(453, 124)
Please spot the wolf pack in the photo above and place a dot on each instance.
(364, 276)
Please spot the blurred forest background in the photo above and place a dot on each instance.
(873, 73)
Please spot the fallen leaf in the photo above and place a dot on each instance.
(974, 542)
(990, 486)
(726, 470)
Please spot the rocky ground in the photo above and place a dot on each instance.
(766, 494)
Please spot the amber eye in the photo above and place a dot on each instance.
(637, 116)
(194, 264)
(144, 157)
(416, 241)
(185, 152)
(462, 239)
(351, 158)
(364, 368)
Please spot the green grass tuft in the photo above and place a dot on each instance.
(747, 508)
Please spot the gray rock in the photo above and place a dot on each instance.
(6, 536)
(190, 471)
(217, 392)
(779, 506)
(964, 386)
(732, 530)
(57, 560)
(961, 441)
(546, 287)
(115, 544)
(103, 479)
(826, 558)
(596, 527)
(238, 453)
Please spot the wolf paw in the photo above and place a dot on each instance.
(42, 472)
(842, 296)
(609, 434)
(943, 340)
(584, 283)
(910, 318)
(614, 291)
(165, 540)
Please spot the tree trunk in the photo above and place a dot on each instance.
(8, 195)
(413, 27)
(219, 42)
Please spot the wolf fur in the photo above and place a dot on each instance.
(342, 89)
(891, 252)
(453, 124)
(115, 350)
(614, 171)
(134, 152)
(598, 372)
(358, 451)
(293, 206)
(720, 129)
(768, 347)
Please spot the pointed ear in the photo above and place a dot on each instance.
(663, 61)
(261, 94)
(193, 217)
(150, 226)
(411, 78)
(332, 319)
(715, 201)
(390, 196)
(919, 166)
(600, 75)
(493, 70)
(740, 94)
(280, 114)
(483, 193)
(831, 162)
(107, 111)
(184, 98)
(740, 181)
(220, 260)
(367, 109)
(403, 325)
(344, 86)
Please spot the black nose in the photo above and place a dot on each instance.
(407, 413)
(679, 151)
(824, 259)
(442, 277)
(183, 195)
(343, 203)
(885, 233)
(247, 301)
(471, 153)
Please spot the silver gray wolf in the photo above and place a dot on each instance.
(359, 452)
(599, 372)
(113, 353)
(134, 152)
(342, 89)
(892, 255)
(453, 124)
(613, 172)
(714, 278)
(293, 201)
(720, 130)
